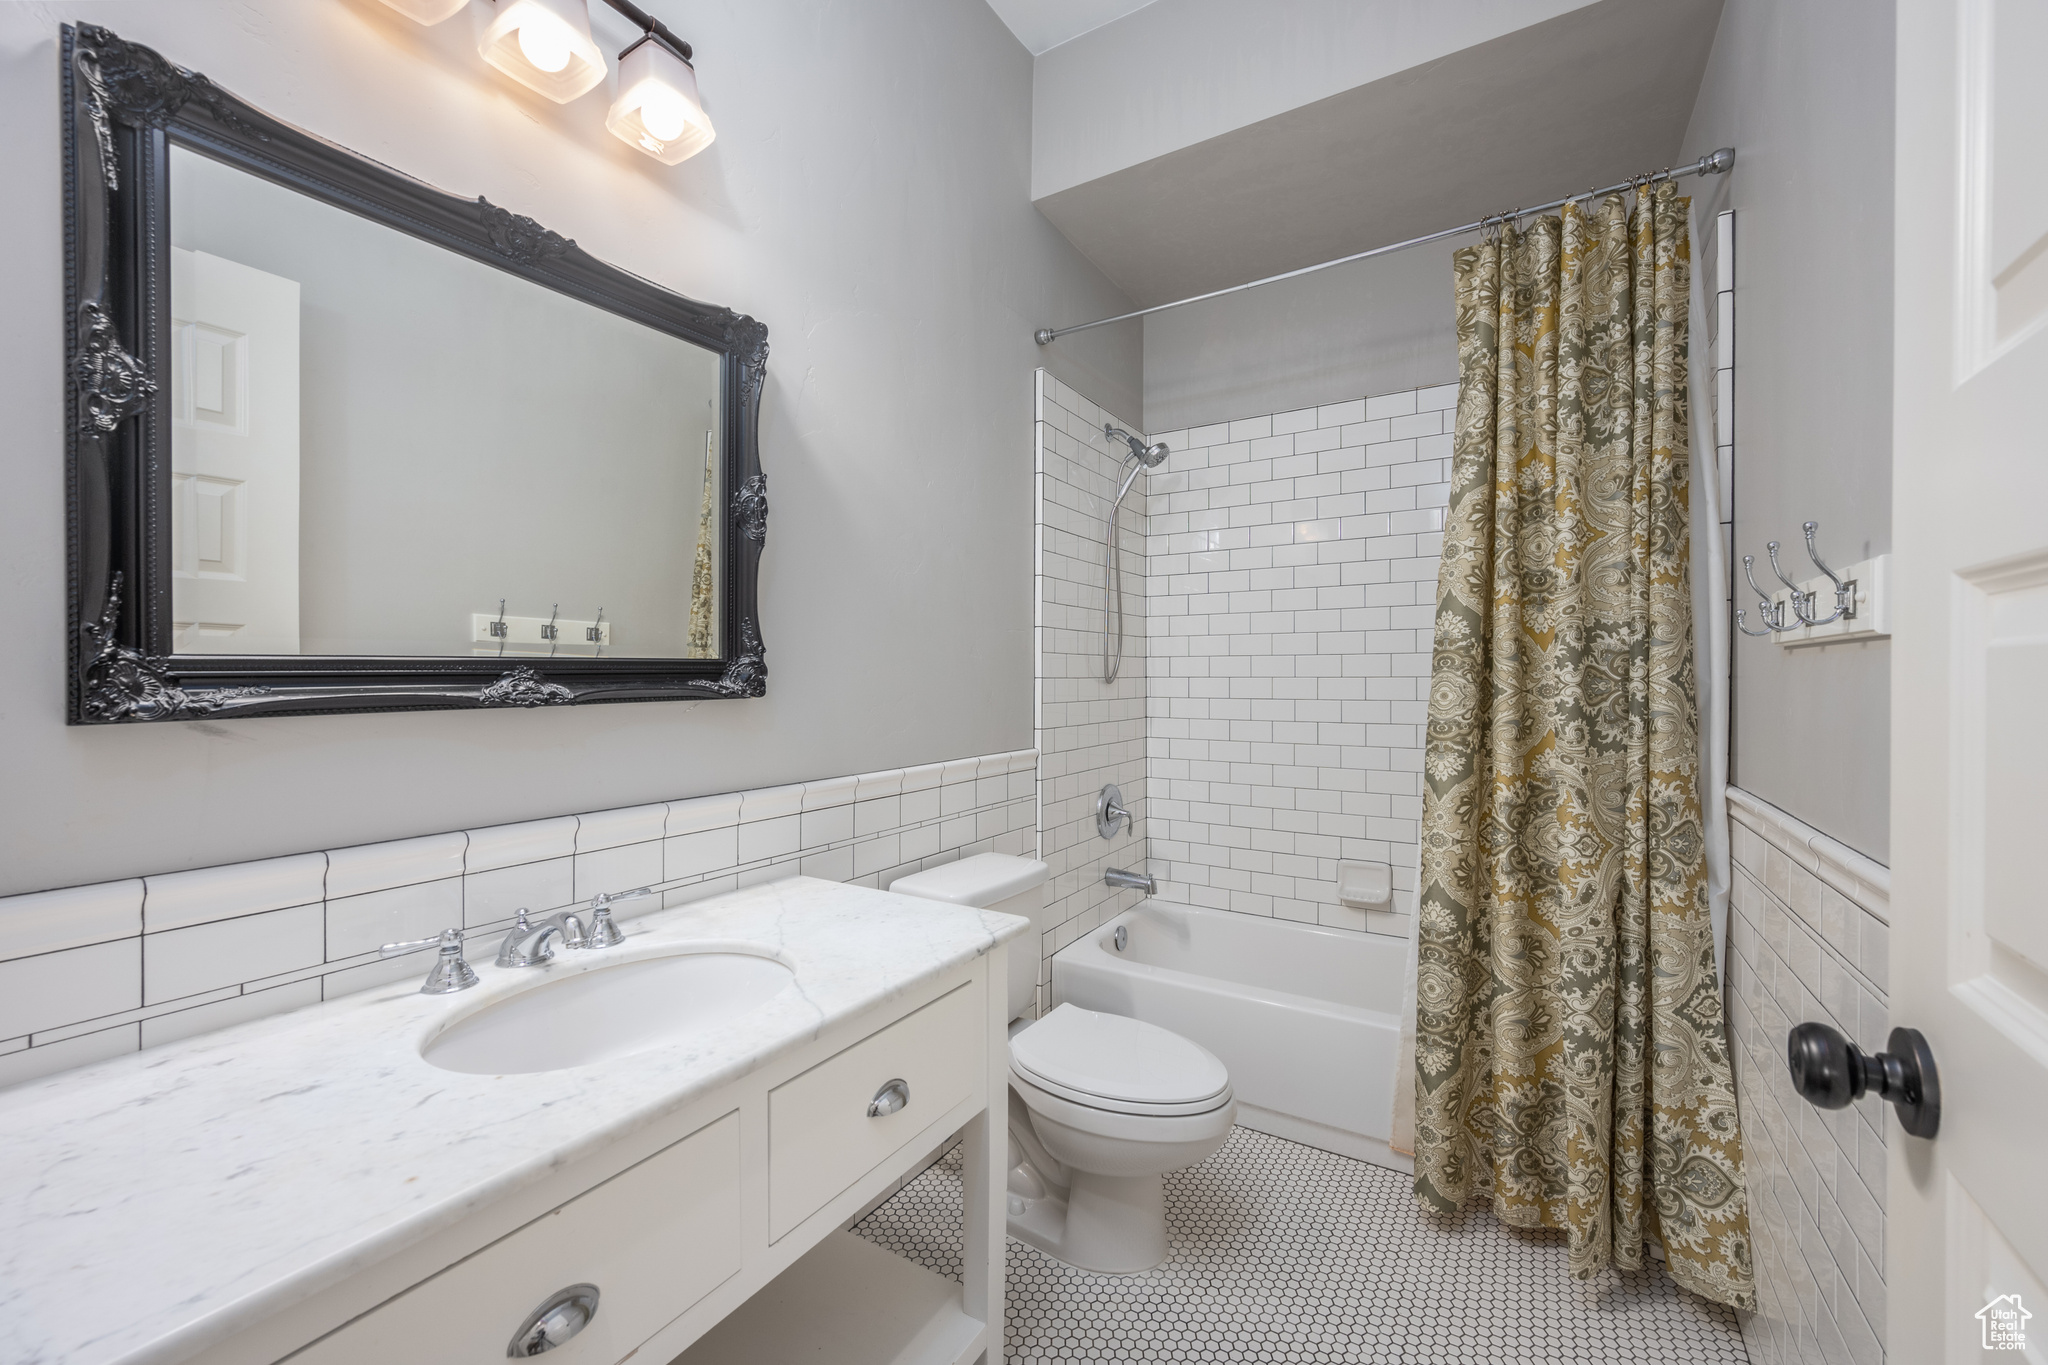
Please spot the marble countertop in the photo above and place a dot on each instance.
(158, 1204)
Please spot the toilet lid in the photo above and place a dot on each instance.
(1111, 1057)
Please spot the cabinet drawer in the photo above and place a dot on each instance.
(654, 1239)
(820, 1137)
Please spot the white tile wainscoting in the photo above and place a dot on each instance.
(1291, 575)
(91, 972)
(1088, 732)
(1809, 938)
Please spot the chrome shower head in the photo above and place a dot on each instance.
(1149, 456)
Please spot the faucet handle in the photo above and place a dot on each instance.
(449, 972)
(603, 933)
(1110, 810)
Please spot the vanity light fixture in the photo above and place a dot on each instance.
(657, 110)
(545, 45)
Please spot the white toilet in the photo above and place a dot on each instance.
(1101, 1106)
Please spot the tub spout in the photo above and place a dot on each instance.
(1130, 881)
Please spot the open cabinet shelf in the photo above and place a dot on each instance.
(849, 1302)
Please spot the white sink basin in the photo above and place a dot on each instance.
(606, 1013)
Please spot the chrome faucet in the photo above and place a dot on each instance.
(527, 944)
(1130, 881)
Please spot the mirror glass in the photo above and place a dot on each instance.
(381, 447)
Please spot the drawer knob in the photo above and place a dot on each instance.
(890, 1098)
(564, 1313)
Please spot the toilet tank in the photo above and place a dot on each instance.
(993, 881)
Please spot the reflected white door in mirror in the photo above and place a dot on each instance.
(234, 457)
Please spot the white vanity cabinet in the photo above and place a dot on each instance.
(837, 1121)
(654, 1238)
(723, 1217)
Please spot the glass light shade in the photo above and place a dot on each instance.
(545, 45)
(657, 111)
(427, 11)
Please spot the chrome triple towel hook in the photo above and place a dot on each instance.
(1801, 603)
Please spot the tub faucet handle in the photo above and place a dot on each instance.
(1109, 810)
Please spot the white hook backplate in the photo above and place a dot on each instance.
(1873, 620)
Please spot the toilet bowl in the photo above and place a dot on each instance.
(1101, 1106)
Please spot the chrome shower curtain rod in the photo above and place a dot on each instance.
(1713, 163)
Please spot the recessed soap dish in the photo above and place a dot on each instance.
(1365, 886)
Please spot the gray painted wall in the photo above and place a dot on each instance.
(1805, 92)
(1397, 158)
(1178, 72)
(1375, 327)
(868, 198)
(1411, 153)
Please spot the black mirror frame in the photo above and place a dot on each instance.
(123, 104)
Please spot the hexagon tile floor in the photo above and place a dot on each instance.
(1285, 1253)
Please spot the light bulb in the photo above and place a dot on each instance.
(542, 42)
(545, 45)
(664, 113)
(657, 109)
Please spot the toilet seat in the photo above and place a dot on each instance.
(1118, 1065)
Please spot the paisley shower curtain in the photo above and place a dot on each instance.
(700, 644)
(1571, 1057)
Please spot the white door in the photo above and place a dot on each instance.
(1967, 1241)
(234, 458)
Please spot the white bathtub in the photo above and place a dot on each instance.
(1307, 1019)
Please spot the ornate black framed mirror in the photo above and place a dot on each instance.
(342, 441)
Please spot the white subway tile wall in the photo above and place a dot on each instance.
(1291, 567)
(1808, 939)
(91, 972)
(1088, 732)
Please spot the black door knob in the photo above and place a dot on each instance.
(1831, 1072)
